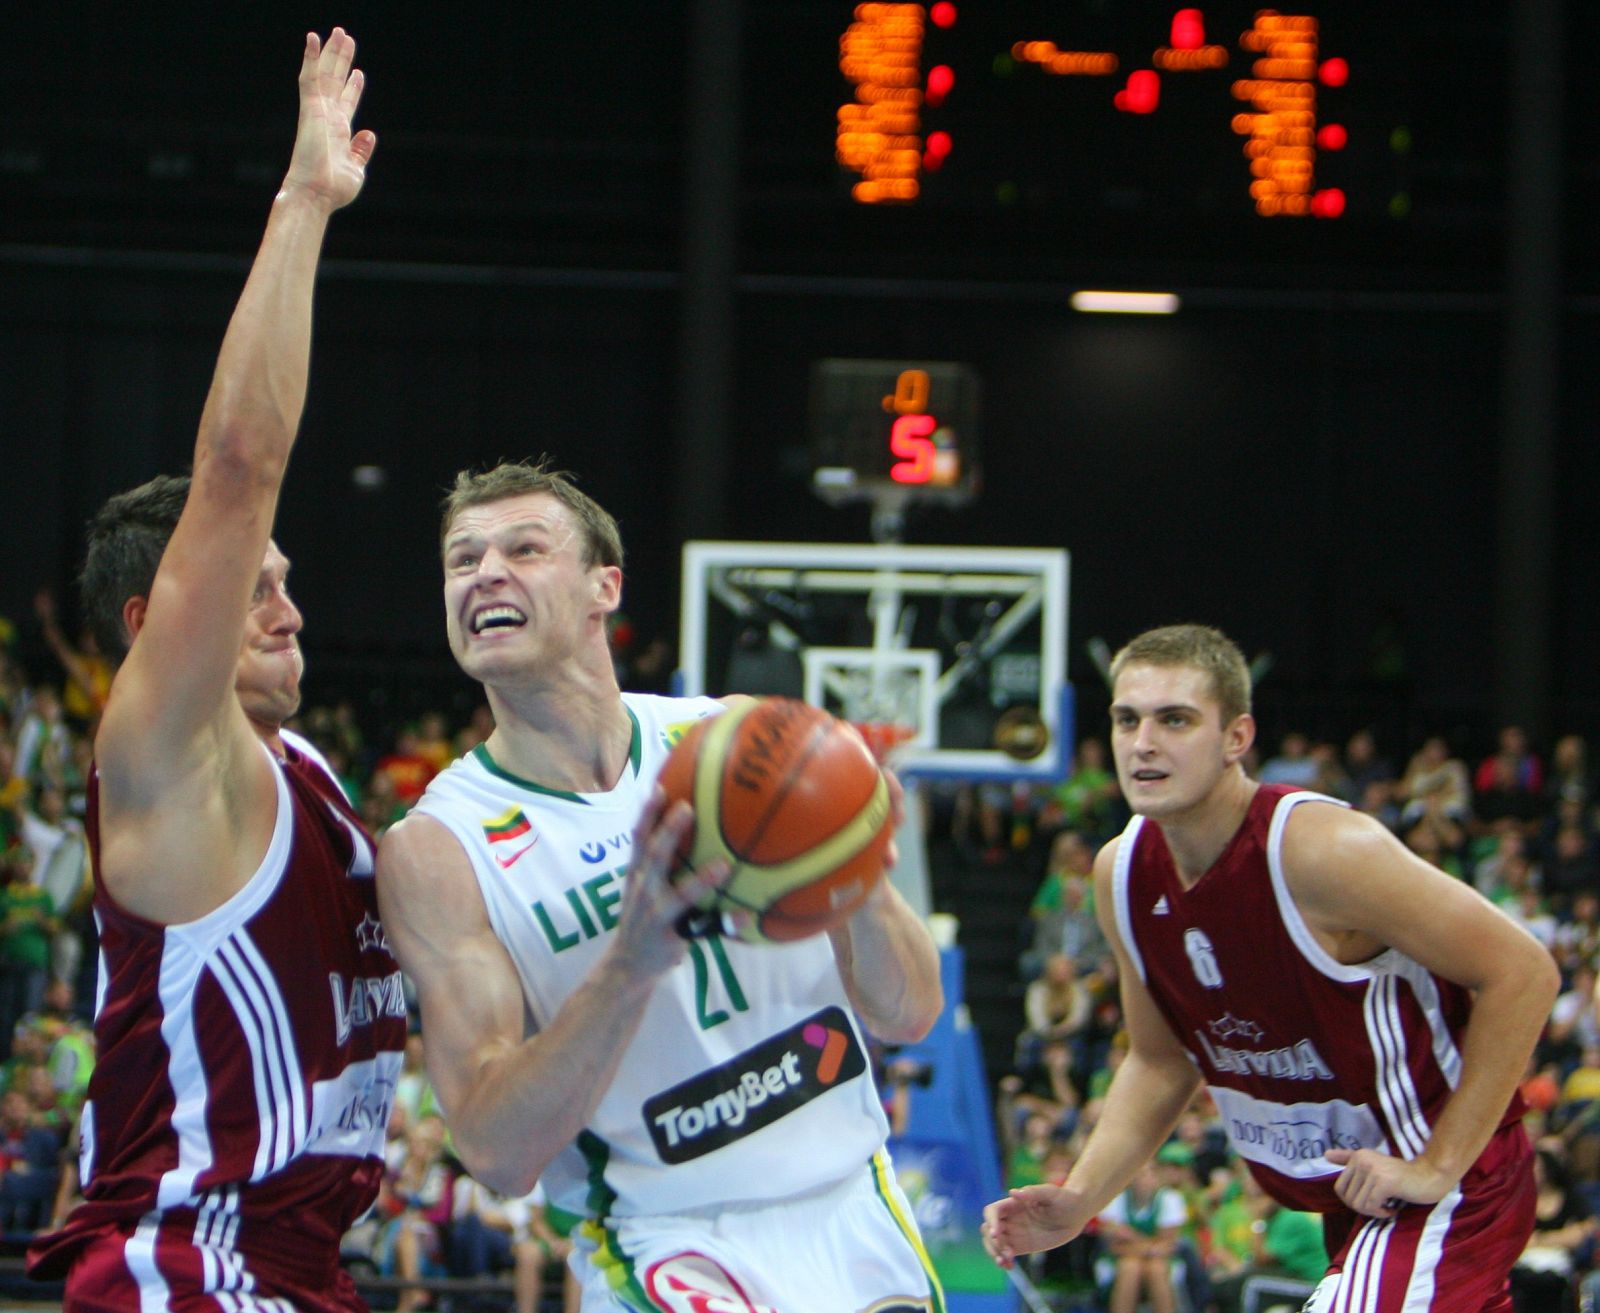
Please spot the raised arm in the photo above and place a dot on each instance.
(178, 678)
(515, 1099)
(1362, 890)
(1147, 1096)
(186, 796)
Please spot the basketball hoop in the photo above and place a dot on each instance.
(884, 736)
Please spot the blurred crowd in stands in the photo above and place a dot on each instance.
(1192, 1232)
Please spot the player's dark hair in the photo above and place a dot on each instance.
(127, 538)
(602, 541)
(1202, 648)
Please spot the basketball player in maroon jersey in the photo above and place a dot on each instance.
(250, 1018)
(1361, 1018)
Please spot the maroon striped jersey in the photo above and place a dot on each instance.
(1302, 1053)
(246, 1067)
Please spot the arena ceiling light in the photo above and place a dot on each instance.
(1126, 303)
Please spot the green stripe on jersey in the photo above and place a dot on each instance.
(481, 755)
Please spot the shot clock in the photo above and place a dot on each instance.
(894, 431)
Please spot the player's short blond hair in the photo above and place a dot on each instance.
(1198, 647)
(602, 540)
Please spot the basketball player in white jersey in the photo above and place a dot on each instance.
(1361, 1019)
(705, 1104)
(249, 1019)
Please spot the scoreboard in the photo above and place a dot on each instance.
(1275, 85)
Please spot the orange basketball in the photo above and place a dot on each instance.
(793, 799)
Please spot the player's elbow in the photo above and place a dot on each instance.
(242, 453)
(912, 1021)
(511, 1175)
(1544, 980)
(929, 1012)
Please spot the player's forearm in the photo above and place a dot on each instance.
(1508, 1015)
(532, 1101)
(1141, 1107)
(890, 968)
(253, 409)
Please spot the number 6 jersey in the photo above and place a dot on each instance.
(1302, 1053)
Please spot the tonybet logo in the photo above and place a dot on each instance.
(730, 1106)
(832, 1044)
(755, 1089)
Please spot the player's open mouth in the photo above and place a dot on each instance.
(1149, 776)
(498, 617)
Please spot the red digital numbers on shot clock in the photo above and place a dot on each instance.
(927, 453)
(880, 424)
(909, 440)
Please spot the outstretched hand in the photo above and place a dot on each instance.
(1029, 1219)
(328, 161)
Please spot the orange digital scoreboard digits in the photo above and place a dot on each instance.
(879, 131)
(908, 427)
(887, 133)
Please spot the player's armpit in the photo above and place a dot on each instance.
(467, 986)
(1148, 1032)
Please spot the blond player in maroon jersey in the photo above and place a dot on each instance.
(1360, 1018)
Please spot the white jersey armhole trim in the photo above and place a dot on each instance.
(464, 835)
(1121, 871)
(203, 934)
(1426, 988)
(1289, 910)
(365, 858)
(306, 748)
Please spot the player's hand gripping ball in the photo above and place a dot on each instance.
(793, 800)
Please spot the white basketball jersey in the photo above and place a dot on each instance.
(747, 1079)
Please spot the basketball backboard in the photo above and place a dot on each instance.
(962, 650)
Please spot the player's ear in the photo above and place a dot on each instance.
(1238, 736)
(608, 587)
(133, 613)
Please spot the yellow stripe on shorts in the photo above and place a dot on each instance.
(617, 1268)
(883, 1182)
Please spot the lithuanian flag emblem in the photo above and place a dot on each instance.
(510, 824)
(671, 735)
